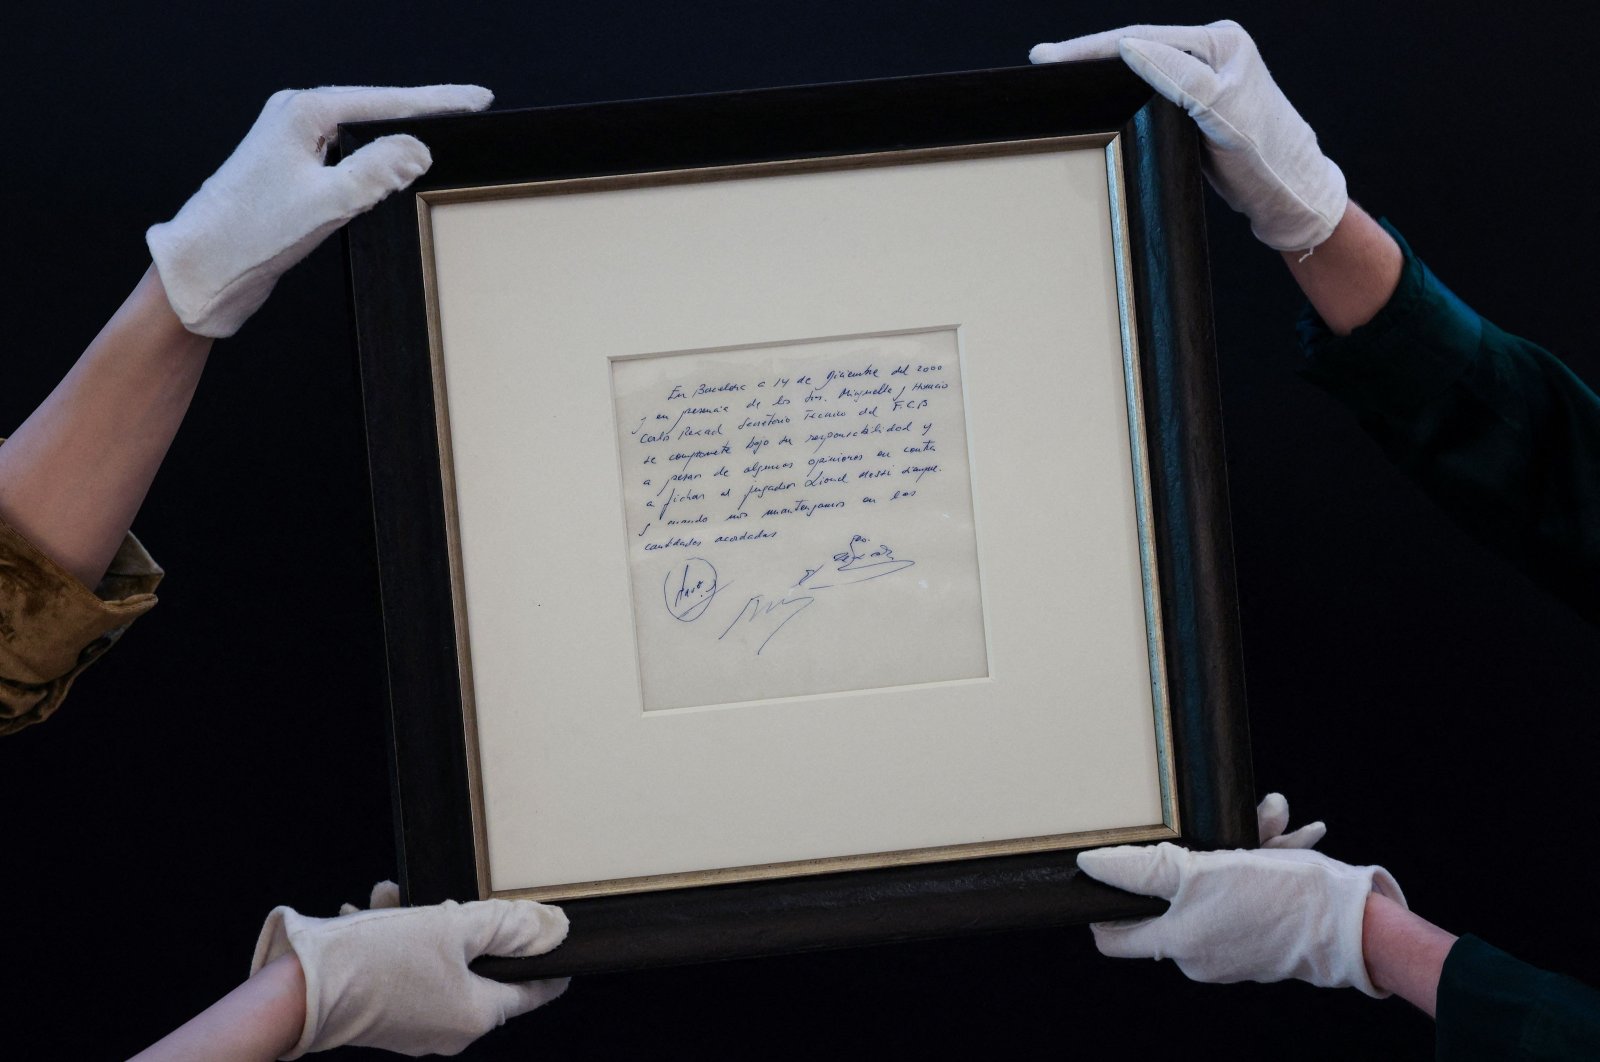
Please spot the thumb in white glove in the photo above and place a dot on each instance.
(1261, 155)
(274, 199)
(396, 977)
(1244, 915)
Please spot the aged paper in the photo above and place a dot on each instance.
(799, 518)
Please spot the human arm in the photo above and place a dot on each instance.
(1401, 952)
(1352, 275)
(1497, 431)
(1262, 157)
(1273, 914)
(1488, 1005)
(74, 474)
(391, 977)
(1404, 952)
(52, 626)
(256, 1022)
(1265, 914)
(1492, 1006)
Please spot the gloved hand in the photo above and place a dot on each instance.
(1261, 155)
(1272, 818)
(1245, 915)
(396, 977)
(274, 199)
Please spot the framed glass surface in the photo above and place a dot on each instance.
(800, 513)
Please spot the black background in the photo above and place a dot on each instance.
(1405, 684)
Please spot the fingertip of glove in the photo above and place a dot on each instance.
(1151, 870)
(386, 165)
(1063, 52)
(530, 995)
(407, 146)
(1272, 817)
(463, 97)
(1115, 940)
(543, 927)
(1087, 861)
(556, 924)
(1099, 862)
(418, 162)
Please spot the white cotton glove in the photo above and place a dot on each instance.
(397, 978)
(1266, 914)
(274, 199)
(1261, 155)
(1272, 818)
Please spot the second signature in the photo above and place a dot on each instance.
(860, 561)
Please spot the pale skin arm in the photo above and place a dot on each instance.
(256, 1022)
(73, 476)
(1351, 275)
(1348, 279)
(1405, 953)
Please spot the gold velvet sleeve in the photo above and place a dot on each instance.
(52, 626)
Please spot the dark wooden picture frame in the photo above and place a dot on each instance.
(1188, 519)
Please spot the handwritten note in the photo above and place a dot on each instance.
(799, 518)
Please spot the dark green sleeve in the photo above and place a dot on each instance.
(1499, 432)
(1492, 1006)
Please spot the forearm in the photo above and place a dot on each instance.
(73, 476)
(1352, 275)
(261, 1019)
(1404, 952)
(1502, 435)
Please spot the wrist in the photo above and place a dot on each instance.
(1352, 275)
(154, 308)
(261, 1019)
(283, 1000)
(1404, 953)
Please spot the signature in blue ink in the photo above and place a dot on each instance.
(689, 589)
(760, 607)
(859, 562)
